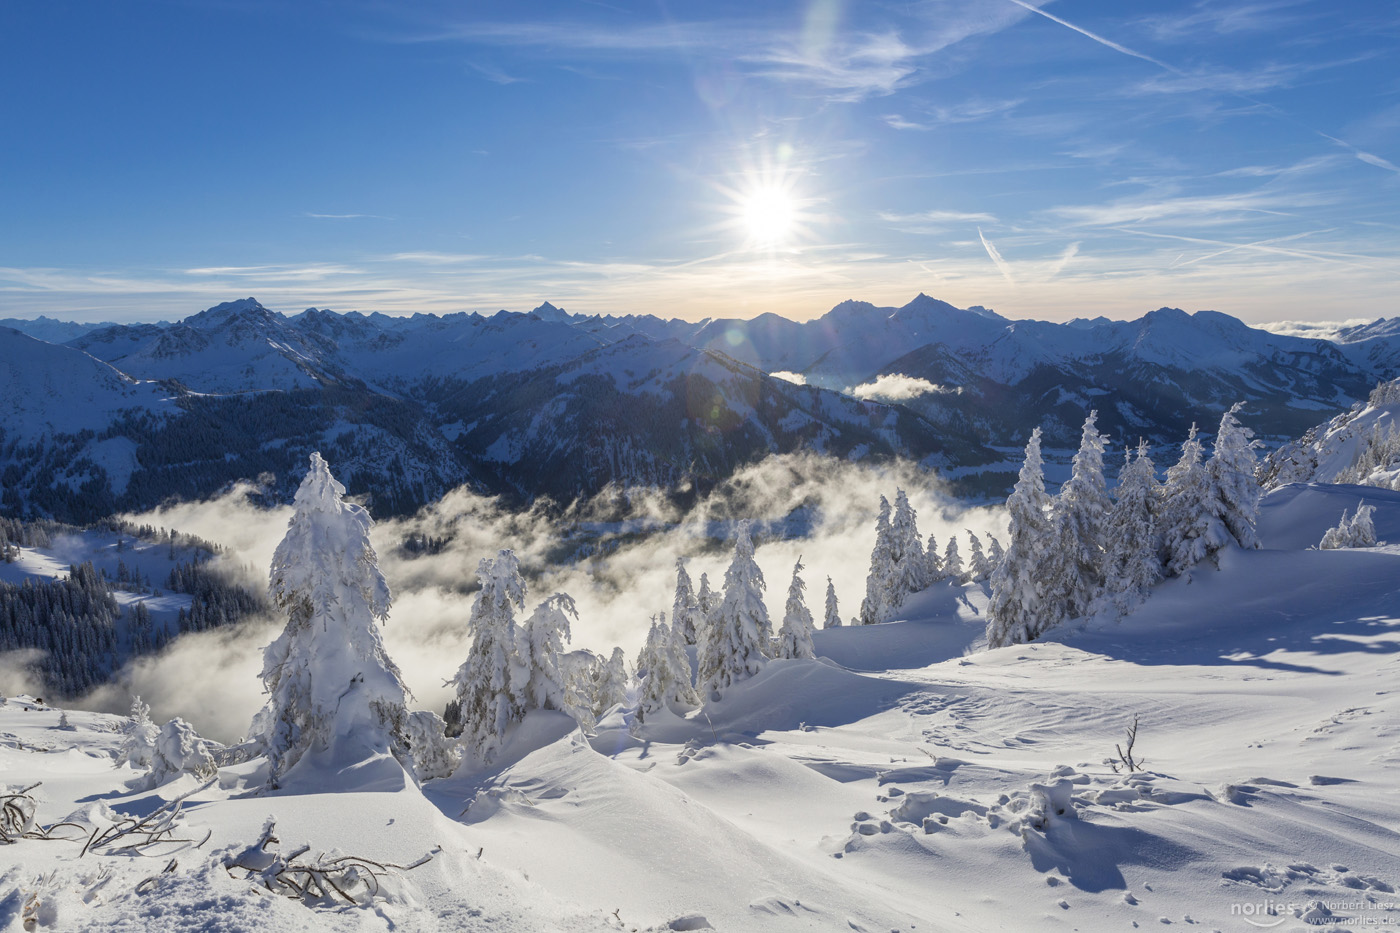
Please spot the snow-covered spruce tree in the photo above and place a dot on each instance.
(667, 681)
(1014, 611)
(1192, 528)
(1074, 561)
(139, 736)
(737, 642)
(795, 635)
(995, 555)
(933, 567)
(1357, 531)
(879, 598)
(978, 567)
(332, 688)
(687, 618)
(833, 612)
(610, 685)
(1132, 562)
(488, 702)
(952, 561)
(910, 567)
(537, 679)
(1231, 469)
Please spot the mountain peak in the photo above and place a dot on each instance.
(548, 312)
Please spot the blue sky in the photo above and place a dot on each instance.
(700, 159)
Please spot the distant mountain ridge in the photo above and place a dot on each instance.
(559, 404)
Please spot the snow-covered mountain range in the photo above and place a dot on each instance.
(558, 404)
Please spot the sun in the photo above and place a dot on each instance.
(769, 215)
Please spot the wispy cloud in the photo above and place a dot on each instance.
(1002, 265)
(1212, 209)
(343, 216)
(494, 74)
(1221, 19)
(1059, 264)
(937, 217)
(1368, 157)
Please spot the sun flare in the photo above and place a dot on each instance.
(769, 216)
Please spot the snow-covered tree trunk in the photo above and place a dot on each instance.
(1014, 611)
(737, 644)
(332, 688)
(795, 636)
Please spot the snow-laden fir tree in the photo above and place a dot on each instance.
(1231, 469)
(1132, 564)
(978, 567)
(880, 597)
(833, 612)
(736, 643)
(1074, 560)
(687, 618)
(1192, 528)
(952, 561)
(795, 635)
(1357, 531)
(995, 555)
(488, 701)
(537, 680)
(708, 600)
(666, 683)
(139, 736)
(907, 550)
(332, 688)
(1014, 613)
(610, 686)
(933, 567)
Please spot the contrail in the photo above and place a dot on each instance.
(1100, 39)
(1001, 264)
(1367, 157)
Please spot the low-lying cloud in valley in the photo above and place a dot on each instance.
(614, 553)
(896, 387)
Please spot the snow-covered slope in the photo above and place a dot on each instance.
(47, 390)
(906, 781)
(1358, 446)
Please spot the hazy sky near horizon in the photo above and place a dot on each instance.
(1070, 158)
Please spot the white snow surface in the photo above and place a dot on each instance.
(905, 780)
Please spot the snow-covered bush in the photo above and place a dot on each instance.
(180, 750)
(434, 754)
(1357, 531)
(332, 688)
